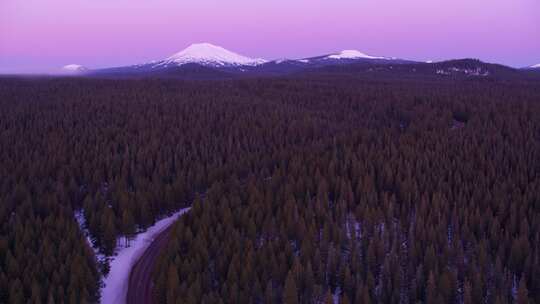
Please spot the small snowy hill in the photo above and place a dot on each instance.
(353, 54)
(74, 69)
(207, 54)
(347, 57)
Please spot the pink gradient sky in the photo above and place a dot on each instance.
(43, 35)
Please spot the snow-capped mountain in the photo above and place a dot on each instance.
(74, 68)
(353, 54)
(207, 54)
(347, 57)
(207, 61)
(536, 66)
(215, 61)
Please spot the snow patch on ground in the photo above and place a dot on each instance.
(335, 296)
(81, 220)
(115, 284)
(466, 71)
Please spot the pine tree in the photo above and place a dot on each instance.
(523, 293)
(16, 295)
(467, 293)
(309, 283)
(128, 225)
(173, 282)
(431, 291)
(109, 231)
(269, 293)
(329, 298)
(290, 294)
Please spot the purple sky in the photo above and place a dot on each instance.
(43, 35)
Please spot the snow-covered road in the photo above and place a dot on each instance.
(115, 285)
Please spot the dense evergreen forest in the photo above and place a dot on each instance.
(303, 189)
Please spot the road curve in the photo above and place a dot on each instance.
(140, 279)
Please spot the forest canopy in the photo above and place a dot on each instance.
(303, 189)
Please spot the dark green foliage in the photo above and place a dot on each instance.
(290, 294)
(371, 209)
(309, 189)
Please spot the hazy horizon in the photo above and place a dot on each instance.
(41, 36)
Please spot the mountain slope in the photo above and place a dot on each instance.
(208, 61)
(347, 57)
(199, 61)
(225, 63)
(209, 55)
(459, 68)
(185, 71)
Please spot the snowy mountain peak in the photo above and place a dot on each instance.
(74, 68)
(211, 55)
(352, 54)
(536, 66)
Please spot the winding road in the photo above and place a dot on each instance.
(140, 279)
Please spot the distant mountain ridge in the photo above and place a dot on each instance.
(208, 61)
(209, 55)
